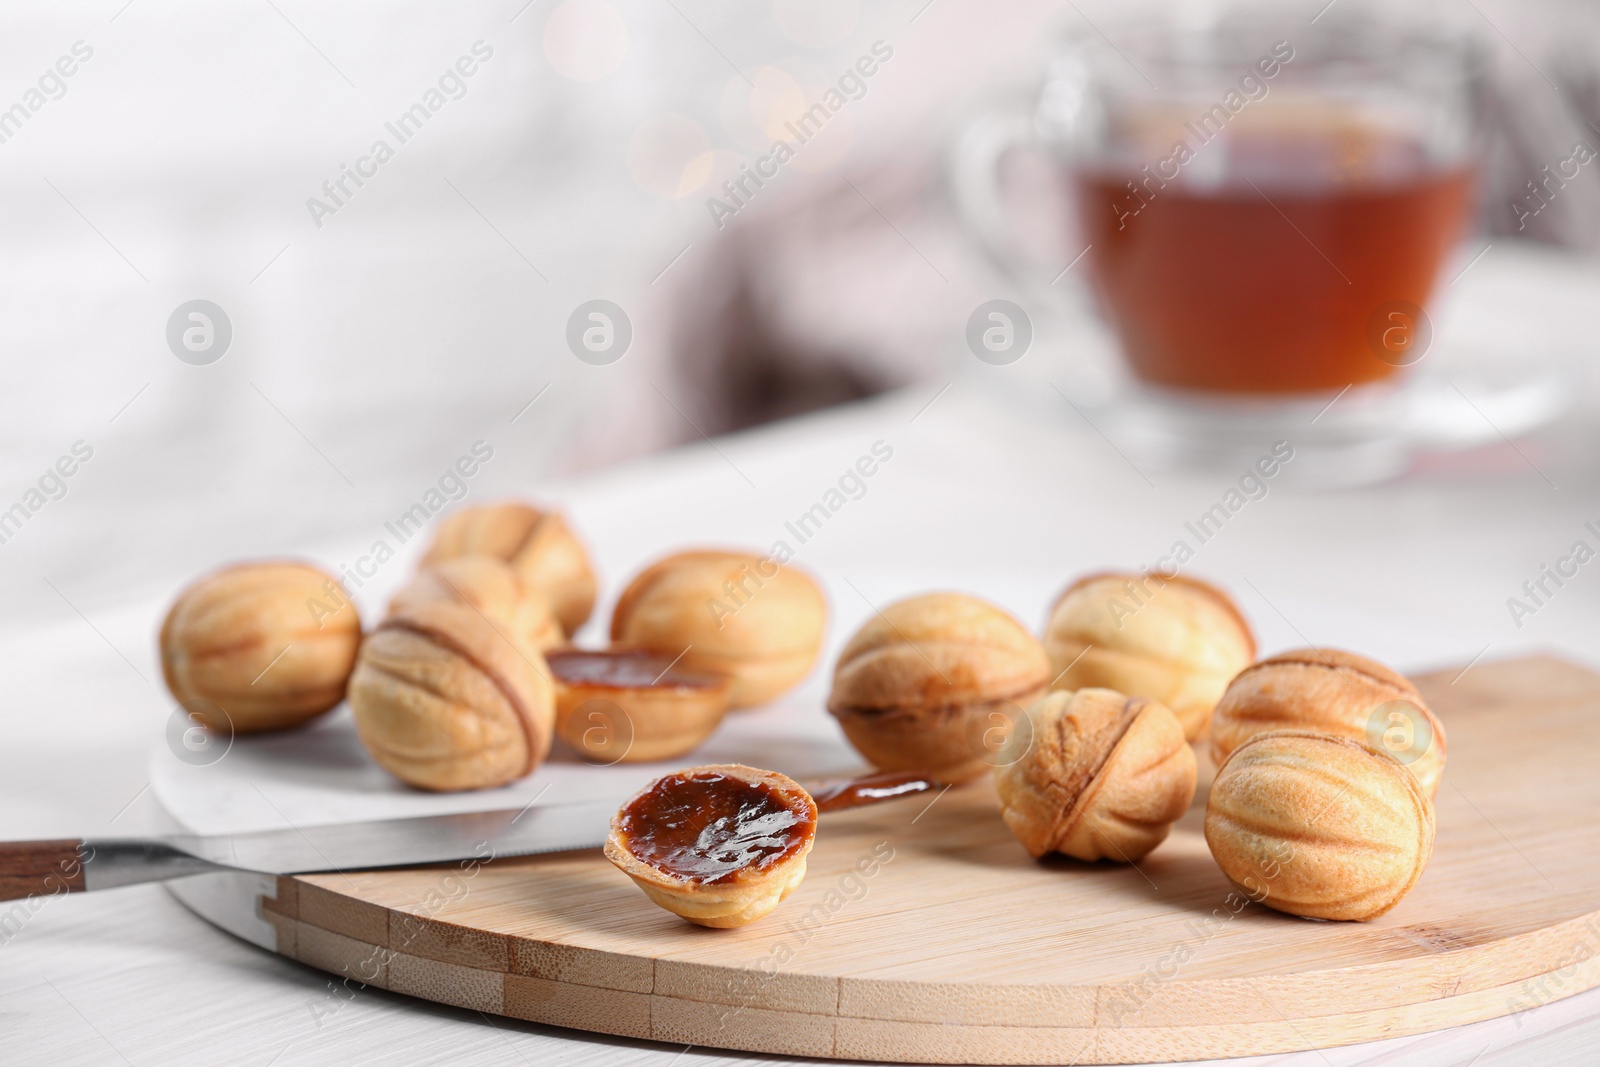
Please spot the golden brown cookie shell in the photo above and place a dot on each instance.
(1098, 775)
(920, 684)
(494, 588)
(270, 644)
(1177, 640)
(1327, 690)
(766, 639)
(445, 701)
(945, 742)
(535, 542)
(617, 723)
(1318, 825)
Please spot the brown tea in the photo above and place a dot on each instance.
(1266, 274)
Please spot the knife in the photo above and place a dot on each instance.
(46, 868)
(33, 868)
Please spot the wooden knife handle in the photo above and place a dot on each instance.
(40, 868)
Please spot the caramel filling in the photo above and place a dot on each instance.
(625, 670)
(711, 828)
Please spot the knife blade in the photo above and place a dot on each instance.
(30, 868)
(35, 868)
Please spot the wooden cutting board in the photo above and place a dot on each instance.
(924, 933)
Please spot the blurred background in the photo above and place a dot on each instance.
(382, 324)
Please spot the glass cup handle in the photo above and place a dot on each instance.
(975, 178)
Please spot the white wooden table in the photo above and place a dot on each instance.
(981, 495)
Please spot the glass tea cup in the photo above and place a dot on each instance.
(1264, 207)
